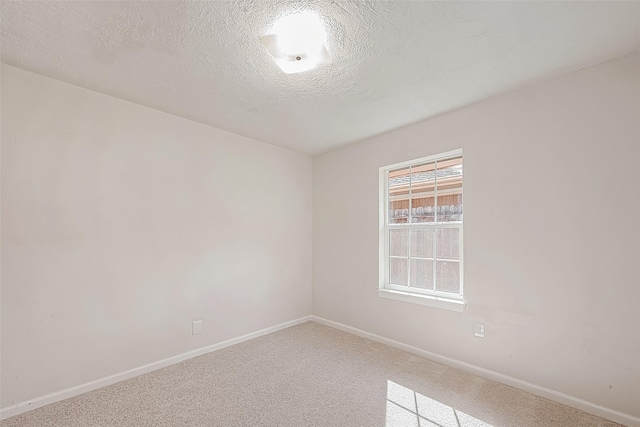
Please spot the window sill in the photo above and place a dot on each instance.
(431, 301)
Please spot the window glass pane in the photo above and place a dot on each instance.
(421, 274)
(422, 243)
(448, 276)
(449, 189)
(423, 209)
(399, 196)
(448, 243)
(398, 271)
(422, 194)
(398, 240)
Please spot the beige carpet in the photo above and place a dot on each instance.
(307, 375)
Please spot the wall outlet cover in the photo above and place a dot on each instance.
(196, 327)
(478, 329)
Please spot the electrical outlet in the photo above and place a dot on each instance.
(196, 328)
(478, 329)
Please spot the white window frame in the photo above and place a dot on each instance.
(431, 298)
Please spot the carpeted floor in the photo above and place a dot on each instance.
(307, 375)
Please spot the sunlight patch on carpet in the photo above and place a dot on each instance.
(406, 408)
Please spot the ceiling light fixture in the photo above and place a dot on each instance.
(298, 42)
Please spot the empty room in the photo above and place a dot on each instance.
(320, 213)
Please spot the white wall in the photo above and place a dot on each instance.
(121, 225)
(552, 241)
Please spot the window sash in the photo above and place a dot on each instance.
(423, 226)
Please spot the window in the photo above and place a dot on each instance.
(421, 231)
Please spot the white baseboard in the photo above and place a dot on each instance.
(38, 402)
(556, 396)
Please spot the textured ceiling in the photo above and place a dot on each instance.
(394, 63)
